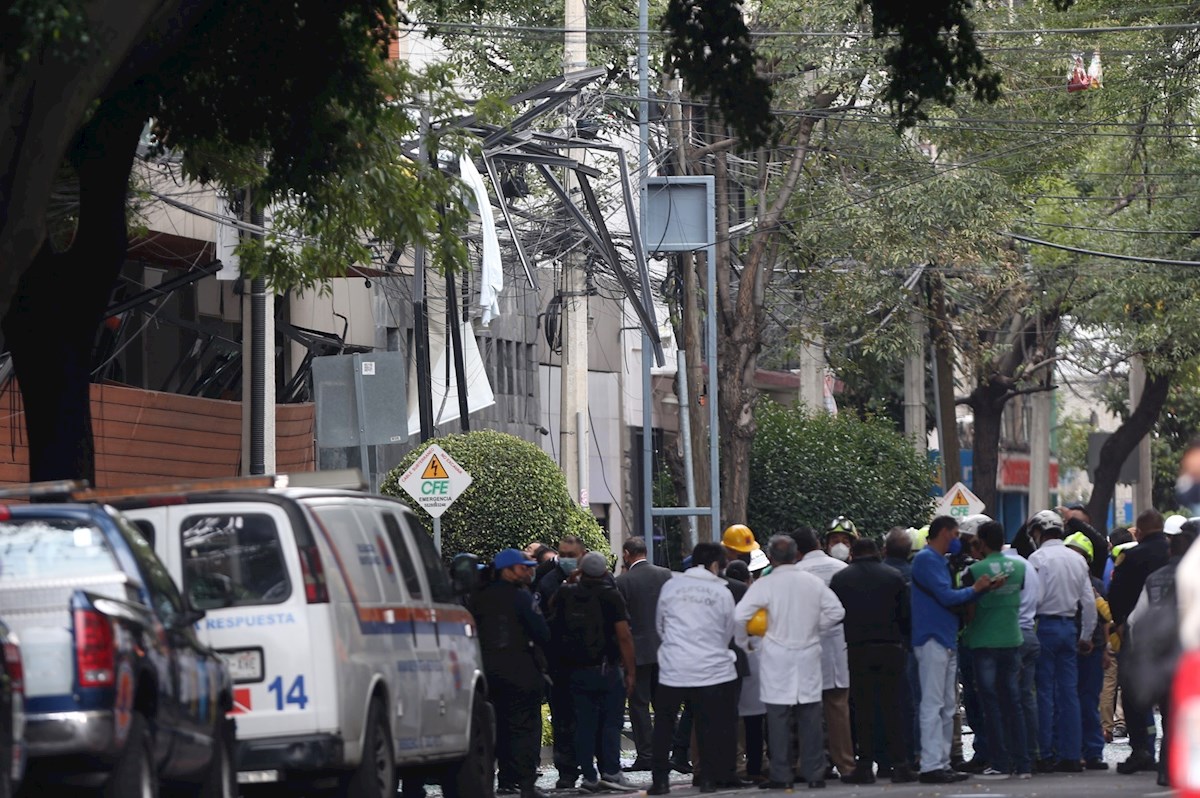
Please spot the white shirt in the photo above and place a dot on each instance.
(800, 608)
(1187, 593)
(695, 621)
(1031, 592)
(1066, 585)
(835, 668)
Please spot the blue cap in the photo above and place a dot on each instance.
(510, 557)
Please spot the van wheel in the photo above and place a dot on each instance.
(220, 778)
(134, 775)
(375, 776)
(474, 774)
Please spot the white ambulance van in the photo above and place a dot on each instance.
(353, 663)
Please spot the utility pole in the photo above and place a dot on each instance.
(812, 374)
(1039, 452)
(258, 363)
(574, 417)
(914, 383)
(1143, 490)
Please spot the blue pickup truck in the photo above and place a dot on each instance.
(119, 692)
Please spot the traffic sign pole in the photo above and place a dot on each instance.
(437, 534)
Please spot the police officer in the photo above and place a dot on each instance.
(511, 629)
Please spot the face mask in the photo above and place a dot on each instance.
(839, 551)
(568, 564)
(955, 546)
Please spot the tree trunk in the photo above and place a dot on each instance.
(43, 104)
(51, 325)
(987, 403)
(1121, 444)
(943, 363)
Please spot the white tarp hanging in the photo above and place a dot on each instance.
(445, 385)
(491, 270)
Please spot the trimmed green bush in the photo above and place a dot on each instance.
(518, 495)
(809, 469)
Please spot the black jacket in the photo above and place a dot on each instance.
(1129, 577)
(511, 628)
(640, 587)
(876, 602)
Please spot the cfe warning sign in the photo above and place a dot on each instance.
(435, 480)
(959, 502)
(434, 470)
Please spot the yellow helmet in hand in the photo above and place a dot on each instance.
(757, 625)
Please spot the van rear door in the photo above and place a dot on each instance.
(239, 562)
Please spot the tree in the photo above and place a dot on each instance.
(302, 83)
(517, 495)
(809, 468)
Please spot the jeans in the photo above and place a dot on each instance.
(806, 720)
(1059, 729)
(972, 705)
(1029, 651)
(939, 681)
(715, 708)
(599, 703)
(997, 683)
(1091, 681)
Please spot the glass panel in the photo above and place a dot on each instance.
(412, 582)
(233, 559)
(57, 548)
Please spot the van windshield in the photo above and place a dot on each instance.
(233, 560)
(59, 548)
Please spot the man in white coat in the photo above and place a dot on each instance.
(800, 608)
(694, 618)
(835, 666)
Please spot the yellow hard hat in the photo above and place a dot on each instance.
(1080, 541)
(739, 538)
(920, 537)
(757, 625)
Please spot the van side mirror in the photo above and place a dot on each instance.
(465, 574)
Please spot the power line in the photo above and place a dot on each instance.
(1098, 254)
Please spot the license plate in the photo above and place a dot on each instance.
(245, 665)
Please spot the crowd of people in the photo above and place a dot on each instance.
(836, 655)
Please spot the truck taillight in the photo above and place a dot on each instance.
(95, 651)
(1184, 734)
(14, 668)
(316, 591)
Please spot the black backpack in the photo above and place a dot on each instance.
(580, 639)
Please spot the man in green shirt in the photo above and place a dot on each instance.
(994, 636)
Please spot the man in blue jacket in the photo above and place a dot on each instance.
(935, 644)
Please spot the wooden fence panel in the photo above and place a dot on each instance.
(148, 437)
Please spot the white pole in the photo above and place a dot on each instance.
(575, 301)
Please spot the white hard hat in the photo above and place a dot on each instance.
(970, 525)
(758, 560)
(1174, 524)
(1046, 519)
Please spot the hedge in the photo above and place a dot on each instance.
(809, 469)
(517, 495)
